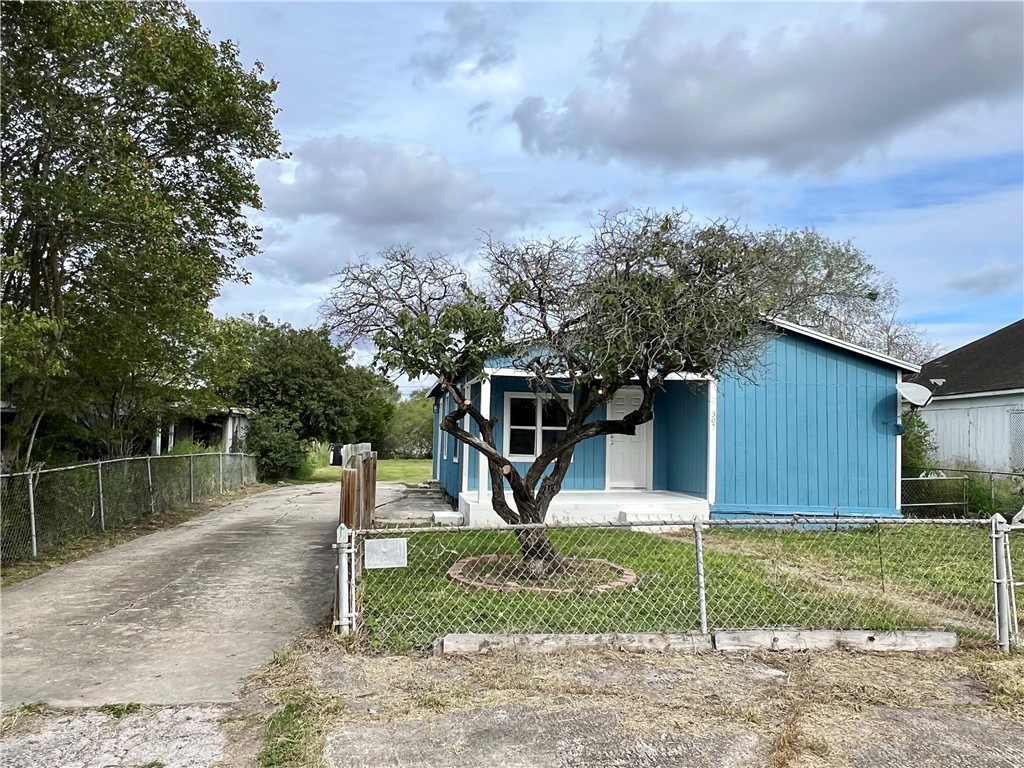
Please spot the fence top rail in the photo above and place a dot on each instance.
(1008, 473)
(798, 522)
(946, 477)
(84, 465)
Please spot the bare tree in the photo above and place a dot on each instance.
(647, 296)
(854, 302)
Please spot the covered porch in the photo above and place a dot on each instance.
(620, 506)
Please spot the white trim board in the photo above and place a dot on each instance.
(988, 393)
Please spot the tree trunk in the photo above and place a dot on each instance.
(540, 556)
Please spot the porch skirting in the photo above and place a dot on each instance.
(625, 506)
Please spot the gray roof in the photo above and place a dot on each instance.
(990, 364)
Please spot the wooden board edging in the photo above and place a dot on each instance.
(739, 640)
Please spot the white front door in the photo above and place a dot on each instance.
(627, 454)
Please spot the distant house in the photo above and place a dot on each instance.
(225, 429)
(816, 434)
(977, 412)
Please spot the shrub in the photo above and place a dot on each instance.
(186, 447)
(273, 439)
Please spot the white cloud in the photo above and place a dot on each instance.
(815, 97)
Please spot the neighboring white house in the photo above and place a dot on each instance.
(977, 413)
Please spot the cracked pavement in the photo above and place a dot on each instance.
(175, 617)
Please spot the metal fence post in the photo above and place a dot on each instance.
(32, 514)
(191, 480)
(1000, 583)
(220, 472)
(344, 618)
(99, 480)
(967, 510)
(698, 542)
(149, 478)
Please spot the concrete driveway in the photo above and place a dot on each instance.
(176, 617)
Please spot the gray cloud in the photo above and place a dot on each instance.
(350, 196)
(816, 99)
(478, 113)
(471, 34)
(990, 280)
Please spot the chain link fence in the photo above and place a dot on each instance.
(44, 509)
(886, 574)
(944, 492)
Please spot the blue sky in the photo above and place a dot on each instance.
(900, 127)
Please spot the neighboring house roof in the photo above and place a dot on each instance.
(993, 363)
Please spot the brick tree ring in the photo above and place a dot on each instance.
(505, 573)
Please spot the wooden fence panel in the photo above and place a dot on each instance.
(358, 486)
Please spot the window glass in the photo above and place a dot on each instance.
(523, 412)
(522, 442)
(549, 437)
(553, 415)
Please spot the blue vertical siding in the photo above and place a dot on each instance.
(814, 433)
(449, 470)
(471, 455)
(681, 438)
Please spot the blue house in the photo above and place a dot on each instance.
(816, 433)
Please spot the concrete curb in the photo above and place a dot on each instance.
(694, 642)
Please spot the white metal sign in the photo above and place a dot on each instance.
(385, 553)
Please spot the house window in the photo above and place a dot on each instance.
(533, 423)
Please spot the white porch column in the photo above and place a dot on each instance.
(481, 464)
(170, 437)
(712, 439)
(229, 433)
(899, 444)
(437, 437)
(155, 447)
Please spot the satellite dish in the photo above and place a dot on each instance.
(915, 394)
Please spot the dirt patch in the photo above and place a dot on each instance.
(319, 704)
(508, 573)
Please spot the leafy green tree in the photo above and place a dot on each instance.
(411, 430)
(129, 139)
(918, 444)
(300, 377)
(649, 295)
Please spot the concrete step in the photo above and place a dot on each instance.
(447, 517)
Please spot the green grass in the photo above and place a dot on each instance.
(408, 471)
(289, 731)
(408, 608)
(117, 711)
(948, 564)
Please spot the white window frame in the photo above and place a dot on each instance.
(507, 425)
(456, 443)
